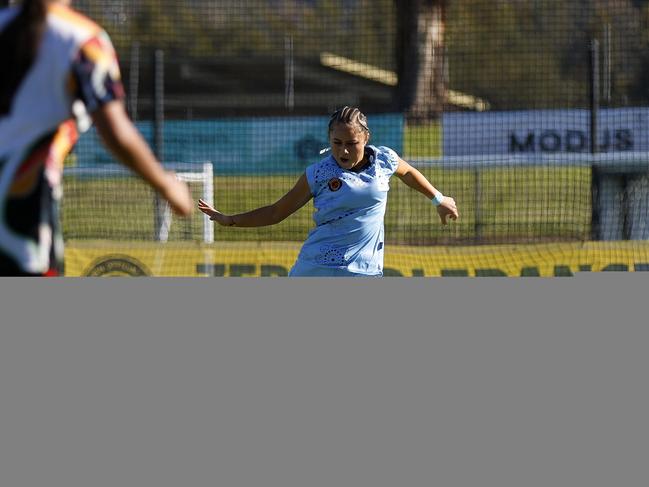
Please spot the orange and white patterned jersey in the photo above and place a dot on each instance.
(75, 72)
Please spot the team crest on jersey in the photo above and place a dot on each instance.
(334, 184)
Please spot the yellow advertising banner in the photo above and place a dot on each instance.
(267, 259)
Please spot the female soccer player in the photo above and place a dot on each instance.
(350, 190)
(58, 67)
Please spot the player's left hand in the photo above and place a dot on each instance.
(447, 209)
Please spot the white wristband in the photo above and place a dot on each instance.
(438, 199)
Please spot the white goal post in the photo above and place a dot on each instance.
(202, 173)
(206, 178)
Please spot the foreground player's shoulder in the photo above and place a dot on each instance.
(62, 13)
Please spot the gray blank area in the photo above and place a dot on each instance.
(262, 382)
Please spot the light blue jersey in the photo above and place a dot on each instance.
(349, 211)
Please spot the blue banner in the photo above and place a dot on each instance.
(246, 146)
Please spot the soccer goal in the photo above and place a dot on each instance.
(110, 202)
(205, 178)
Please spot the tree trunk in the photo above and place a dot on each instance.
(422, 83)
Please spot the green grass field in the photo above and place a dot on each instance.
(522, 204)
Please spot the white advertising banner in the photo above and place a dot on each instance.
(544, 132)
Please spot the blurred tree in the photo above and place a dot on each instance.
(515, 54)
(420, 52)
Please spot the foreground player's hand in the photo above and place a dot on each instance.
(447, 209)
(177, 193)
(214, 214)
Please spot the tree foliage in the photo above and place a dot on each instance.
(515, 54)
(534, 54)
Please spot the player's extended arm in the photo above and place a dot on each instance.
(126, 143)
(288, 204)
(417, 181)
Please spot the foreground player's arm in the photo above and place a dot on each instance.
(122, 138)
(288, 204)
(417, 181)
